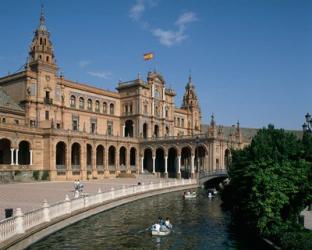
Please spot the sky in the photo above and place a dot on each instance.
(250, 60)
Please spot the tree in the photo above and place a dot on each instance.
(270, 182)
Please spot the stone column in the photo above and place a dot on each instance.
(123, 130)
(12, 156)
(154, 159)
(16, 163)
(128, 168)
(106, 169)
(30, 157)
(93, 162)
(192, 166)
(117, 161)
(68, 162)
(153, 107)
(166, 166)
(206, 164)
(179, 167)
(83, 162)
(142, 164)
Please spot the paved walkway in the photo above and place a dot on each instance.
(29, 196)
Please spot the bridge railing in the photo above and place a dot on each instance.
(20, 223)
(206, 173)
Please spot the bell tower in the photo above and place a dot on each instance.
(41, 50)
(191, 104)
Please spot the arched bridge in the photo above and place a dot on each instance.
(209, 175)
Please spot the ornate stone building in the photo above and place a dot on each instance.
(49, 124)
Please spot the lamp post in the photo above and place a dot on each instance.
(307, 126)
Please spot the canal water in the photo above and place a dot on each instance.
(198, 224)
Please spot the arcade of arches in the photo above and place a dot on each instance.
(21, 155)
(84, 160)
(92, 161)
(181, 161)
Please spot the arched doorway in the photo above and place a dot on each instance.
(100, 159)
(129, 128)
(111, 158)
(160, 160)
(199, 161)
(186, 159)
(75, 158)
(5, 151)
(24, 153)
(145, 127)
(148, 160)
(133, 159)
(122, 158)
(89, 159)
(156, 131)
(172, 162)
(60, 158)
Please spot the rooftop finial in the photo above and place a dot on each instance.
(190, 83)
(42, 26)
(212, 122)
(42, 19)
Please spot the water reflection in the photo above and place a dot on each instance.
(198, 224)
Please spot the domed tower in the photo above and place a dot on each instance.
(41, 49)
(191, 104)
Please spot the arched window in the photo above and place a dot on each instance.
(73, 101)
(47, 59)
(89, 104)
(97, 106)
(111, 109)
(40, 40)
(157, 111)
(145, 127)
(81, 103)
(167, 130)
(104, 107)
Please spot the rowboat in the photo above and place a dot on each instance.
(189, 195)
(160, 230)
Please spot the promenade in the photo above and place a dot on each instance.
(29, 196)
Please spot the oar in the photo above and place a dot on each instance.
(144, 230)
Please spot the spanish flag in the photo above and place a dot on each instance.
(148, 56)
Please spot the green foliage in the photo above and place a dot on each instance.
(297, 240)
(271, 182)
(45, 175)
(36, 175)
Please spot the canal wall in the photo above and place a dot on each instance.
(22, 230)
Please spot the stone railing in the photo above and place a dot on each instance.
(20, 223)
(207, 173)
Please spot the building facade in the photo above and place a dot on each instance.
(69, 130)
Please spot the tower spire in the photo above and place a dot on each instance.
(41, 49)
(42, 25)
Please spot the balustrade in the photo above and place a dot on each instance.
(23, 222)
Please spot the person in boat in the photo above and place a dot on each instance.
(156, 227)
(167, 223)
(160, 221)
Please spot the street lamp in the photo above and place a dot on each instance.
(307, 126)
